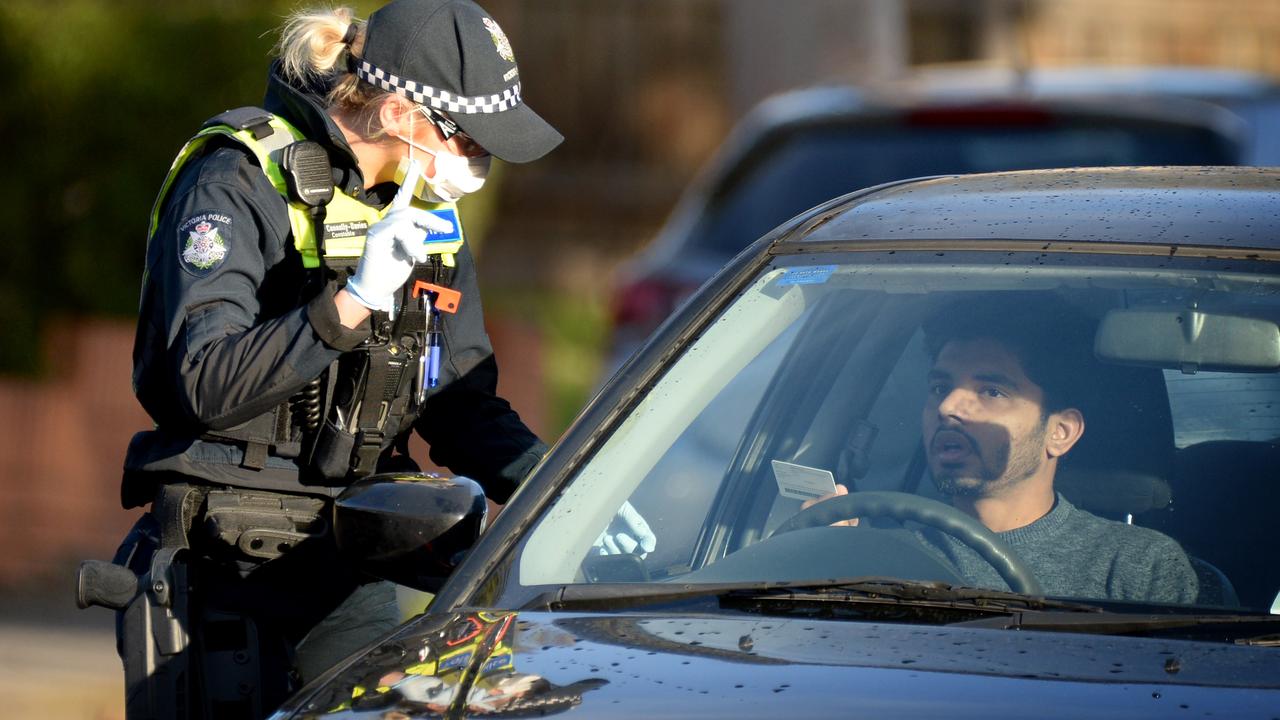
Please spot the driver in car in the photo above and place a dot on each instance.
(997, 421)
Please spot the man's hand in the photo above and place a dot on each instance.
(840, 490)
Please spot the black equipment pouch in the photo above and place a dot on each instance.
(261, 526)
(333, 449)
(328, 461)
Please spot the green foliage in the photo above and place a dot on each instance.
(99, 96)
(574, 336)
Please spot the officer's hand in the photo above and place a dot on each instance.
(392, 246)
(627, 533)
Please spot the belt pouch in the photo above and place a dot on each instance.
(332, 456)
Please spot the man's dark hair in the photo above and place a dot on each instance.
(1052, 342)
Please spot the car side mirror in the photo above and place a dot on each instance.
(410, 528)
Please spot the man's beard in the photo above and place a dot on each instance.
(1008, 466)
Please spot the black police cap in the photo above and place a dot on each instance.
(451, 56)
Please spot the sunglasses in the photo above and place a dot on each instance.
(447, 127)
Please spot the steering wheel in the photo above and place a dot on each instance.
(905, 506)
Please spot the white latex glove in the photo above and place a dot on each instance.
(392, 246)
(627, 533)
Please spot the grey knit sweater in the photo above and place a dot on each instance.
(1074, 553)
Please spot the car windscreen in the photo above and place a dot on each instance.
(793, 170)
(1111, 419)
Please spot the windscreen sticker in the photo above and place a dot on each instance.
(807, 275)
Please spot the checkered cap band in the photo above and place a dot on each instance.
(436, 98)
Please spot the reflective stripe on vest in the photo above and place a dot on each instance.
(346, 219)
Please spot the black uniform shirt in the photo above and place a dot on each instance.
(226, 332)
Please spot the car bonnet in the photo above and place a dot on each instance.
(643, 665)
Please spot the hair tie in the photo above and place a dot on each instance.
(350, 36)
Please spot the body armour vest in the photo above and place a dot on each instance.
(339, 424)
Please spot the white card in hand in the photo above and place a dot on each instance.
(801, 482)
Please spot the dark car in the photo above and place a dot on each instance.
(1052, 398)
(802, 147)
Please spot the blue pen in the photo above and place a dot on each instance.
(429, 360)
(422, 356)
(433, 346)
(433, 365)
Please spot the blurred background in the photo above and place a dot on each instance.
(575, 263)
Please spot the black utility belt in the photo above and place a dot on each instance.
(237, 524)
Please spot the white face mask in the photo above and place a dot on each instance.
(454, 177)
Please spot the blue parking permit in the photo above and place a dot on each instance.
(451, 215)
(807, 275)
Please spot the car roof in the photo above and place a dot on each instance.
(1152, 88)
(828, 104)
(1237, 207)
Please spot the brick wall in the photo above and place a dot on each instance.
(61, 449)
(1243, 34)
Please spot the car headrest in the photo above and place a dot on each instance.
(1113, 492)
(1124, 461)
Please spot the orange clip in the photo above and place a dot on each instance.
(446, 300)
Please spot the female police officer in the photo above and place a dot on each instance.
(287, 341)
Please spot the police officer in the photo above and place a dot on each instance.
(309, 300)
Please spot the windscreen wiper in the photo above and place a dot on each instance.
(611, 596)
(1224, 627)
(801, 597)
(911, 591)
(1268, 640)
(893, 600)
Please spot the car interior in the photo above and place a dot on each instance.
(1126, 468)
